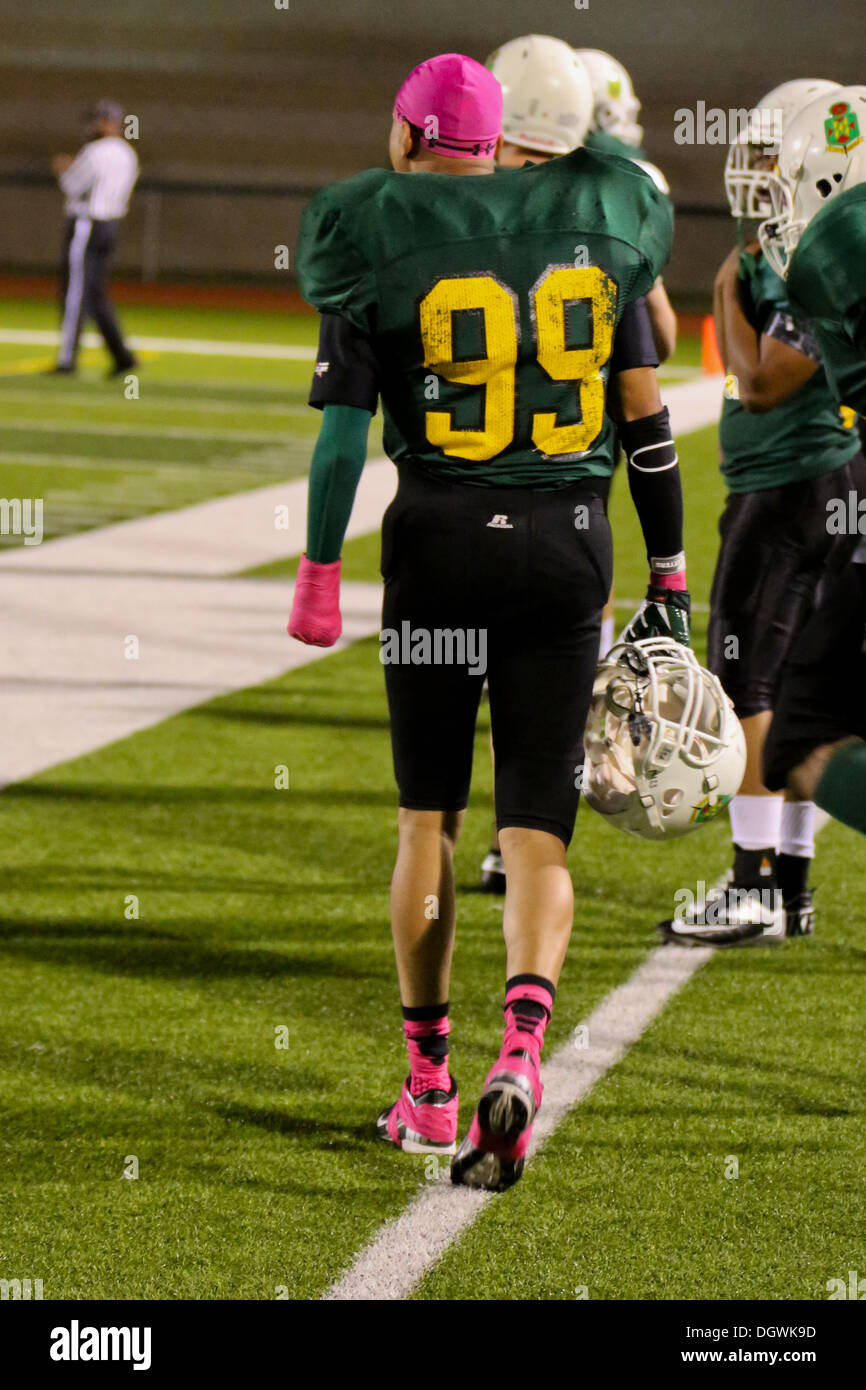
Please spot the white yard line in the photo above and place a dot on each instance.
(405, 1249)
(200, 347)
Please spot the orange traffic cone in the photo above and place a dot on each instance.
(710, 358)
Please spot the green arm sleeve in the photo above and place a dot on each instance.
(338, 461)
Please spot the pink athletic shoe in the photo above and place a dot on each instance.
(492, 1154)
(422, 1124)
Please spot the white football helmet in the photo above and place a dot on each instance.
(665, 751)
(822, 153)
(615, 106)
(756, 148)
(546, 94)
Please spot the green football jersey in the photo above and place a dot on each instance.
(601, 142)
(803, 437)
(827, 285)
(491, 303)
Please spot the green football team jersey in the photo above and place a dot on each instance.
(601, 142)
(491, 303)
(827, 284)
(803, 437)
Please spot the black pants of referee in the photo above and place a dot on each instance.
(88, 248)
(524, 573)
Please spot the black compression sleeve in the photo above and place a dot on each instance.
(654, 480)
(346, 371)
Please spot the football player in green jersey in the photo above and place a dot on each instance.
(498, 320)
(816, 236)
(785, 451)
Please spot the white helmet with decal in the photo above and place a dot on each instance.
(823, 153)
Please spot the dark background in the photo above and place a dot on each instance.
(238, 92)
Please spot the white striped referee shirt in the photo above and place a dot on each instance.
(100, 179)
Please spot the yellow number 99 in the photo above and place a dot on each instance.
(496, 372)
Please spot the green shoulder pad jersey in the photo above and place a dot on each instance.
(827, 285)
(805, 436)
(491, 303)
(602, 142)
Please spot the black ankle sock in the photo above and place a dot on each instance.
(754, 868)
(792, 875)
(425, 1013)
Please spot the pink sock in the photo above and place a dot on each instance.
(527, 1013)
(426, 1072)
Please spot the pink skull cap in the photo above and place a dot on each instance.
(456, 102)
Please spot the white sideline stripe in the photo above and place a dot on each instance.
(200, 347)
(693, 404)
(71, 690)
(404, 1250)
(223, 536)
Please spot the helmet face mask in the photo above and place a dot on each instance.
(746, 170)
(780, 232)
(756, 148)
(664, 750)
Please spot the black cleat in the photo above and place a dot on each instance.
(800, 915)
(121, 368)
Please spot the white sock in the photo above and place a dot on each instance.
(606, 639)
(756, 821)
(798, 829)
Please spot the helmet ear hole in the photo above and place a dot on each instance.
(824, 187)
(672, 798)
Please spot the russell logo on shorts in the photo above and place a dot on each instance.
(500, 523)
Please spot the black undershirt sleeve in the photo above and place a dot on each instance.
(633, 343)
(346, 371)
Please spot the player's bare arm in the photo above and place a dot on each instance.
(768, 371)
(663, 320)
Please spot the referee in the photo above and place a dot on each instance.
(97, 184)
